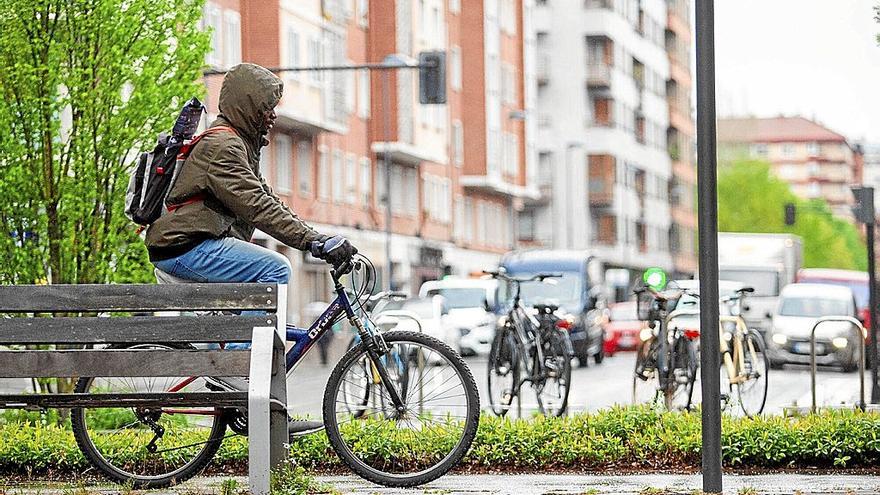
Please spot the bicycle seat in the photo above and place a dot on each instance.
(546, 308)
(167, 278)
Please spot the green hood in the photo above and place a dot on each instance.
(248, 90)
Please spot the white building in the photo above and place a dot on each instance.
(602, 118)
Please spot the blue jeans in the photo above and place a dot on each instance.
(229, 260)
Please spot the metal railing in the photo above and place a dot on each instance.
(861, 333)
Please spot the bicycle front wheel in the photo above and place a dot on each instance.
(752, 389)
(147, 447)
(503, 374)
(422, 439)
(645, 388)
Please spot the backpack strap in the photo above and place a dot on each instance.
(184, 152)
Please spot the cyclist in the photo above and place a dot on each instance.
(219, 198)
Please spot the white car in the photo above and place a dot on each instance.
(800, 307)
(426, 315)
(465, 302)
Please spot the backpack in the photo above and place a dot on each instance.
(156, 171)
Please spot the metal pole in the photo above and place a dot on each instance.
(708, 235)
(872, 302)
(386, 124)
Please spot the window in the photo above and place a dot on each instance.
(363, 93)
(468, 233)
(813, 148)
(366, 180)
(304, 166)
(455, 6)
(293, 59)
(283, 163)
(212, 21)
(759, 149)
(380, 185)
(457, 143)
(788, 150)
(350, 179)
(315, 54)
(323, 175)
(232, 38)
(455, 68)
(338, 178)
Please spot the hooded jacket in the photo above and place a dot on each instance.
(223, 173)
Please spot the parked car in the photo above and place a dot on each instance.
(579, 293)
(690, 304)
(431, 316)
(467, 301)
(623, 328)
(855, 280)
(800, 306)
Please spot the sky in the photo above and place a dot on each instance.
(816, 58)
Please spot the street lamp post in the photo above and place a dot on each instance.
(707, 187)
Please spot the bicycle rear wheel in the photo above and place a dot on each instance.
(428, 435)
(553, 395)
(752, 390)
(147, 447)
(503, 375)
(682, 375)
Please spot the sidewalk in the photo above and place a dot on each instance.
(536, 484)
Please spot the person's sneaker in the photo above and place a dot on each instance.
(227, 384)
(302, 427)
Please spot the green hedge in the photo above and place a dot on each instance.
(622, 437)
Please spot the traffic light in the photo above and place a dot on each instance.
(432, 78)
(863, 210)
(789, 213)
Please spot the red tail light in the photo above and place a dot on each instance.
(564, 324)
(692, 334)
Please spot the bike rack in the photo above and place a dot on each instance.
(861, 333)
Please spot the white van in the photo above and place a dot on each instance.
(465, 303)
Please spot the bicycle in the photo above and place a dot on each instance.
(745, 364)
(666, 356)
(526, 350)
(412, 406)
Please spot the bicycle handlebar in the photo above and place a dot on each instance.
(536, 278)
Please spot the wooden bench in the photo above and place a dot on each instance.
(264, 363)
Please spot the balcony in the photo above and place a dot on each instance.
(598, 75)
(605, 229)
(602, 173)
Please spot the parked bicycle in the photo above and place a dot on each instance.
(745, 365)
(666, 361)
(408, 405)
(529, 349)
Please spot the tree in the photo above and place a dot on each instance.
(85, 85)
(751, 199)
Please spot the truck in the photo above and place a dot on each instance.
(765, 262)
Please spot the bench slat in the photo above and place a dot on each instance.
(124, 363)
(136, 297)
(139, 329)
(154, 399)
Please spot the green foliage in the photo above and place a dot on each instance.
(633, 437)
(84, 85)
(752, 199)
(290, 479)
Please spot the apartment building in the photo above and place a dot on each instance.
(680, 139)
(457, 171)
(604, 168)
(817, 162)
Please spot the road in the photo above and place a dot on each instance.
(593, 388)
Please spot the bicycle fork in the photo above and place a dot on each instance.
(376, 348)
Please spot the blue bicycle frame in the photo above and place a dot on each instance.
(305, 339)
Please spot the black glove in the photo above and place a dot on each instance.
(335, 250)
